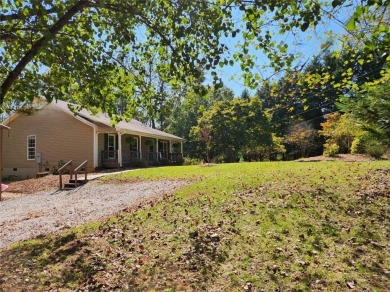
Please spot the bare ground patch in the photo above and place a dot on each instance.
(340, 157)
(30, 215)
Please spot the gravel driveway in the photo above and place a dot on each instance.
(29, 216)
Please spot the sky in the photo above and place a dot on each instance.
(304, 45)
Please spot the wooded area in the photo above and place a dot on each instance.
(149, 59)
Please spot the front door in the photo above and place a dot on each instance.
(111, 146)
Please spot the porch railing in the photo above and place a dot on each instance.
(109, 155)
(81, 168)
(133, 156)
(175, 157)
(62, 169)
(129, 156)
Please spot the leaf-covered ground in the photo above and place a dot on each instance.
(248, 226)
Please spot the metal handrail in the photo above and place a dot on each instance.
(76, 171)
(62, 168)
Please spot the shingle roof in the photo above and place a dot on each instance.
(103, 121)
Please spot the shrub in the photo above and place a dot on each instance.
(375, 149)
(357, 146)
(165, 162)
(219, 159)
(191, 161)
(141, 163)
(331, 150)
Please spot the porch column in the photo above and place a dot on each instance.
(140, 147)
(120, 149)
(95, 149)
(170, 155)
(157, 148)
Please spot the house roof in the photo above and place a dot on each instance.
(103, 123)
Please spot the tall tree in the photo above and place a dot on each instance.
(245, 94)
(301, 138)
(63, 43)
(371, 107)
(340, 130)
(236, 126)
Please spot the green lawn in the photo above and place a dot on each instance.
(236, 227)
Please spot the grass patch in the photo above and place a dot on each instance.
(252, 226)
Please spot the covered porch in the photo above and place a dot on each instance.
(129, 149)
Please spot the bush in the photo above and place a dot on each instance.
(219, 159)
(375, 149)
(54, 169)
(357, 146)
(191, 161)
(331, 150)
(141, 163)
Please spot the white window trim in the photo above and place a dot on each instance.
(111, 155)
(35, 147)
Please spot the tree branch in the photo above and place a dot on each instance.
(37, 47)
(17, 16)
(135, 12)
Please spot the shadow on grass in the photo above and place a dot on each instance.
(66, 252)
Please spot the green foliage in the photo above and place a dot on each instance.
(371, 107)
(357, 146)
(273, 151)
(233, 127)
(301, 138)
(340, 130)
(131, 140)
(98, 52)
(149, 142)
(191, 161)
(343, 131)
(376, 148)
(188, 110)
(331, 149)
(140, 163)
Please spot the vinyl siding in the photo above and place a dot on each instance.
(59, 136)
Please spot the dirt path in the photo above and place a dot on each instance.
(29, 216)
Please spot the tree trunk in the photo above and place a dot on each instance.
(38, 46)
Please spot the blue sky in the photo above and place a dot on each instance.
(302, 45)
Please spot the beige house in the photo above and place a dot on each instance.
(53, 134)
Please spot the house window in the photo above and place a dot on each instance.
(31, 147)
(134, 144)
(111, 146)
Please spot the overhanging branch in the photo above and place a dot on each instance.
(17, 16)
(37, 47)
